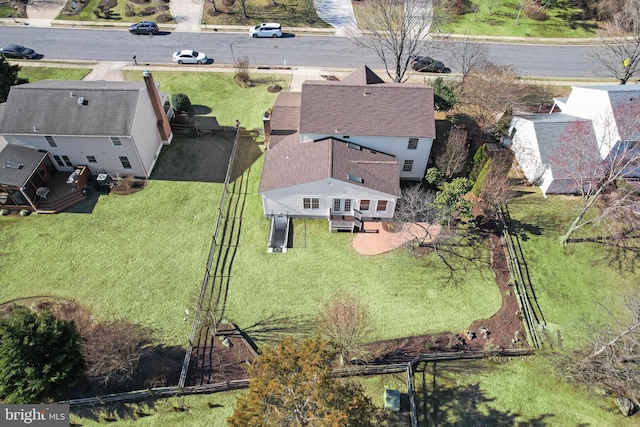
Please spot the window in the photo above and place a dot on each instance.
(125, 162)
(67, 162)
(354, 146)
(336, 205)
(51, 142)
(413, 144)
(408, 165)
(347, 205)
(355, 178)
(364, 205)
(59, 161)
(115, 140)
(382, 206)
(92, 159)
(310, 203)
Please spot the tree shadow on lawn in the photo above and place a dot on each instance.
(277, 326)
(621, 252)
(441, 401)
(458, 252)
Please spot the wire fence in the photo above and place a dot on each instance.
(532, 314)
(207, 273)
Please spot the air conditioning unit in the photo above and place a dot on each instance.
(82, 101)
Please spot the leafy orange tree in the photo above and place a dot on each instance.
(291, 385)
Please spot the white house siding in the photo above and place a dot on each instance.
(396, 146)
(525, 147)
(288, 200)
(545, 181)
(146, 136)
(77, 148)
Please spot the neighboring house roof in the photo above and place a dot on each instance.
(286, 112)
(623, 100)
(52, 107)
(292, 163)
(362, 104)
(550, 131)
(18, 163)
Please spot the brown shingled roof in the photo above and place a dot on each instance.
(351, 107)
(286, 112)
(291, 163)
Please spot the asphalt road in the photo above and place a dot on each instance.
(535, 60)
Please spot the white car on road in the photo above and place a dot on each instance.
(190, 57)
(266, 29)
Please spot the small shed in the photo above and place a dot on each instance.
(392, 400)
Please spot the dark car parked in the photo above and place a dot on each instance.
(17, 51)
(144, 27)
(427, 64)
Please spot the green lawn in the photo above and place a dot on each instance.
(137, 257)
(219, 95)
(35, 74)
(404, 294)
(186, 411)
(573, 282)
(561, 21)
(520, 391)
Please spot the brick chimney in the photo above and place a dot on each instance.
(266, 124)
(163, 123)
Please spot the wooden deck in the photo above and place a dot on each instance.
(339, 222)
(61, 194)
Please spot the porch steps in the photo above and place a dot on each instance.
(60, 204)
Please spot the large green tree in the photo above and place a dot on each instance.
(8, 77)
(40, 356)
(291, 385)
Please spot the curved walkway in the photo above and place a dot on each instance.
(337, 13)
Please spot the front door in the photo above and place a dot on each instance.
(342, 206)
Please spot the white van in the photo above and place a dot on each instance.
(266, 29)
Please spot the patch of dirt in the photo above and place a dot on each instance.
(214, 362)
(128, 185)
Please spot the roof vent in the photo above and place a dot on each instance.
(12, 165)
(82, 101)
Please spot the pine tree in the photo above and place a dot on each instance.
(40, 356)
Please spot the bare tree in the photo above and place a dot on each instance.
(522, 5)
(113, 350)
(417, 206)
(398, 29)
(466, 56)
(610, 361)
(489, 90)
(578, 159)
(346, 323)
(618, 51)
(451, 158)
(241, 65)
(496, 189)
